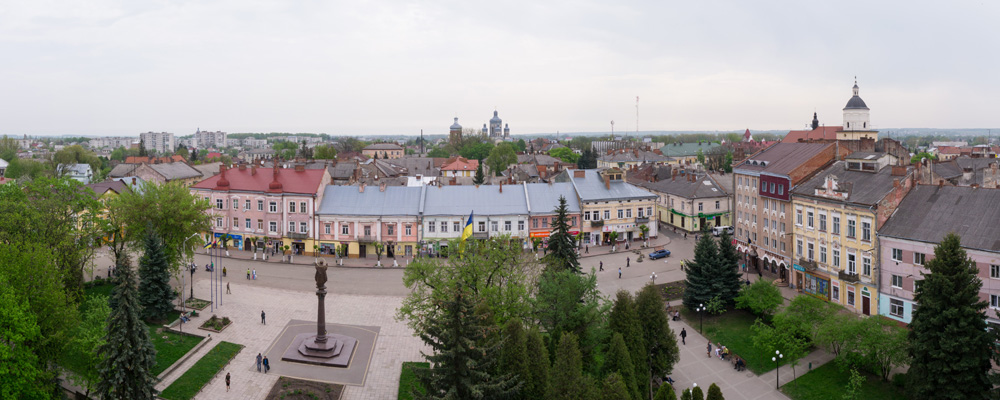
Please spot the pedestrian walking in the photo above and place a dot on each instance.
(258, 362)
(619, 272)
(227, 381)
(600, 265)
(267, 365)
(627, 262)
(586, 249)
(685, 235)
(248, 274)
(255, 274)
(227, 289)
(109, 272)
(684, 335)
(709, 349)
(262, 320)
(223, 272)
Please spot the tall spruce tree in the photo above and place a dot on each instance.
(665, 392)
(714, 393)
(613, 388)
(562, 245)
(537, 384)
(513, 353)
(727, 272)
(698, 285)
(480, 177)
(697, 393)
(948, 336)
(660, 339)
(619, 361)
(155, 294)
(463, 359)
(127, 355)
(567, 381)
(624, 319)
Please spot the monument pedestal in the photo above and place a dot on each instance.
(335, 352)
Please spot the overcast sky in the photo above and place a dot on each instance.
(98, 67)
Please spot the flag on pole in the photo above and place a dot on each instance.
(467, 232)
(209, 244)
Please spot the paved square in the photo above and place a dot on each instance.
(354, 374)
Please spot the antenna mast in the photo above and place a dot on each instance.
(636, 116)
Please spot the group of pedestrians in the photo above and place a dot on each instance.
(251, 275)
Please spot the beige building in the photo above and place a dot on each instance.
(384, 151)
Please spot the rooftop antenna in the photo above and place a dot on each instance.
(422, 141)
(612, 129)
(637, 115)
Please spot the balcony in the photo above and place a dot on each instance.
(596, 224)
(642, 220)
(366, 239)
(808, 265)
(298, 236)
(848, 277)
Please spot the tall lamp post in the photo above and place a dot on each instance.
(701, 314)
(777, 359)
(183, 246)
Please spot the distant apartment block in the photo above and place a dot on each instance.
(205, 140)
(111, 142)
(160, 142)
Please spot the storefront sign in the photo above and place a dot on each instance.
(798, 267)
(539, 234)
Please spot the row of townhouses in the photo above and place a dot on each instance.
(302, 209)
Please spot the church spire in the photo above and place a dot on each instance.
(815, 123)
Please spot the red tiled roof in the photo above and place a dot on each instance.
(292, 181)
(949, 150)
(213, 154)
(460, 164)
(821, 133)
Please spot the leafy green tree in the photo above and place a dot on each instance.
(727, 273)
(837, 333)
(8, 148)
(948, 336)
(883, 345)
(700, 156)
(513, 353)
(25, 167)
(520, 146)
(570, 302)
(624, 319)
(462, 358)
(618, 361)
(155, 293)
(659, 338)
(182, 151)
(761, 298)
(476, 149)
(686, 394)
(87, 340)
(714, 393)
(804, 315)
(699, 284)
(438, 153)
(922, 155)
(614, 388)
(854, 383)
(697, 393)
(565, 154)
(284, 149)
(567, 381)
(768, 339)
(305, 151)
(24, 375)
(537, 383)
(480, 177)
(127, 356)
(665, 392)
(325, 152)
(587, 160)
(142, 148)
(500, 157)
(562, 253)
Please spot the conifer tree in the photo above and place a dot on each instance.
(686, 394)
(480, 177)
(659, 338)
(127, 355)
(462, 359)
(567, 381)
(727, 273)
(155, 294)
(698, 285)
(948, 336)
(537, 384)
(614, 388)
(562, 245)
(666, 392)
(714, 393)
(618, 361)
(624, 319)
(697, 393)
(513, 353)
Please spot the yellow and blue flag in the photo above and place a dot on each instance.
(467, 232)
(209, 244)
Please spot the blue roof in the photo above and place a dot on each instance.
(482, 200)
(543, 198)
(591, 188)
(349, 200)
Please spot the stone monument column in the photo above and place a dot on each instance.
(321, 297)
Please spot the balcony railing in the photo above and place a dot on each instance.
(296, 235)
(641, 220)
(597, 224)
(366, 238)
(809, 265)
(848, 277)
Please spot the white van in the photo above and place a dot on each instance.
(719, 229)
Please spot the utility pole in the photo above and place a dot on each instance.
(636, 116)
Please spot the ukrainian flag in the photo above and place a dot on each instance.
(467, 232)
(209, 244)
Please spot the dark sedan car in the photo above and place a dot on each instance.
(659, 254)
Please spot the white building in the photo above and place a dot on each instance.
(111, 142)
(207, 140)
(160, 142)
(496, 210)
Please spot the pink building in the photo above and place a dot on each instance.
(354, 220)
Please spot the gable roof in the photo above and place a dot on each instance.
(350, 200)
(782, 158)
(543, 198)
(703, 186)
(460, 164)
(103, 187)
(862, 187)
(928, 213)
(174, 171)
(480, 200)
(292, 181)
(122, 170)
(591, 187)
(820, 133)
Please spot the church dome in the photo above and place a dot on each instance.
(456, 125)
(855, 102)
(495, 118)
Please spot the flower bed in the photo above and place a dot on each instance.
(216, 324)
(197, 304)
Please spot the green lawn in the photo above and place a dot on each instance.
(732, 329)
(189, 384)
(828, 382)
(408, 380)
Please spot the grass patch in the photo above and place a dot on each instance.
(170, 347)
(732, 329)
(102, 287)
(828, 382)
(189, 384)
(196, 303)
(408, 380)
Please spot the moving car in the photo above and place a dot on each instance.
(718, 230)
(659, 254)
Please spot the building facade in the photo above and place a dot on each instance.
(356, 218)
(209, 140)
(609, 204)
(384, 151)
(543, 199)
(497, 210)
(459, 166)
(689, 200)
(160, 142)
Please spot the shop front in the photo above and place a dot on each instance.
(544, 236)
(235, 240)
(813, 284)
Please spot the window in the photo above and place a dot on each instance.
(811, 251)
(327, 229)
(897, 255)
(866, 231)
(303, 227)
(822, 222)
(260, 205)
(716, 205)
(494, 225)
(782, 208)
(607, 214)
(444, 226)
(272, 226)
(781, 189)
(994, 301)
(798, 248)
(291, 226)
(897, 281)
(409, 230)
(822, 254)
(218, 203)
(520, 225)
(783, 227)
(272, 207)
(628, 213)
(850, 297)
(852, 229)
(836, 258)
(836, 225)
(302, 207)
(482, 226)
(701, 206)
(545, 222)
(260, 225)
(391, 230)
(836, 293)
(866, 266)
(346, 229)
(772, 187)
(798, 217)
(534, 223)
(431, 226)
(572, 221)
(995, 271)
(236, 223)
(852, 264)
(247, 205)
(368, 230)
(507, 225)
(249, 224)
(809, 219)
(640, 212)
(621, 213)
(457, 226)
(918, 258)
(218, 222)
(765, 223)
(896, 308)
(291, 207)
(782, 247)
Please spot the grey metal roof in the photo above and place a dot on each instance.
(948, 169)
(122, 170)
(636, 156)
(343, 169)
(482, 200)
(862, 187)
(175, 170)
(687, 149)
(544, 197)
(702, 187)
(782, 158)
(349, 200)
(383, 146)
(856, 103)
(591, 188)
(928, 213)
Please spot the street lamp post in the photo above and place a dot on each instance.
(701, 314)
(777, 368)
(183, 246)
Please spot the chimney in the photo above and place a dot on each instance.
(253, 170)
(673, 174)
(607, 182)
(898, 170)
(381, 187)
(361, 188)
(579, 173)
(133, 181)
(940, 182)
(243, 167)
(556, 166)
(300, 168)
(501, 187)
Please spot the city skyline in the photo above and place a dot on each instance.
(102, 68)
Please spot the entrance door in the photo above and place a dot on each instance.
(390, 250)
(702, 220)
(409, 251)
(718, 220)
(362, 251)
(866, 304)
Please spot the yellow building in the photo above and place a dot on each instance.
(689, 200)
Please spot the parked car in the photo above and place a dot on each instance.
(719, 229)
(659, 254)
